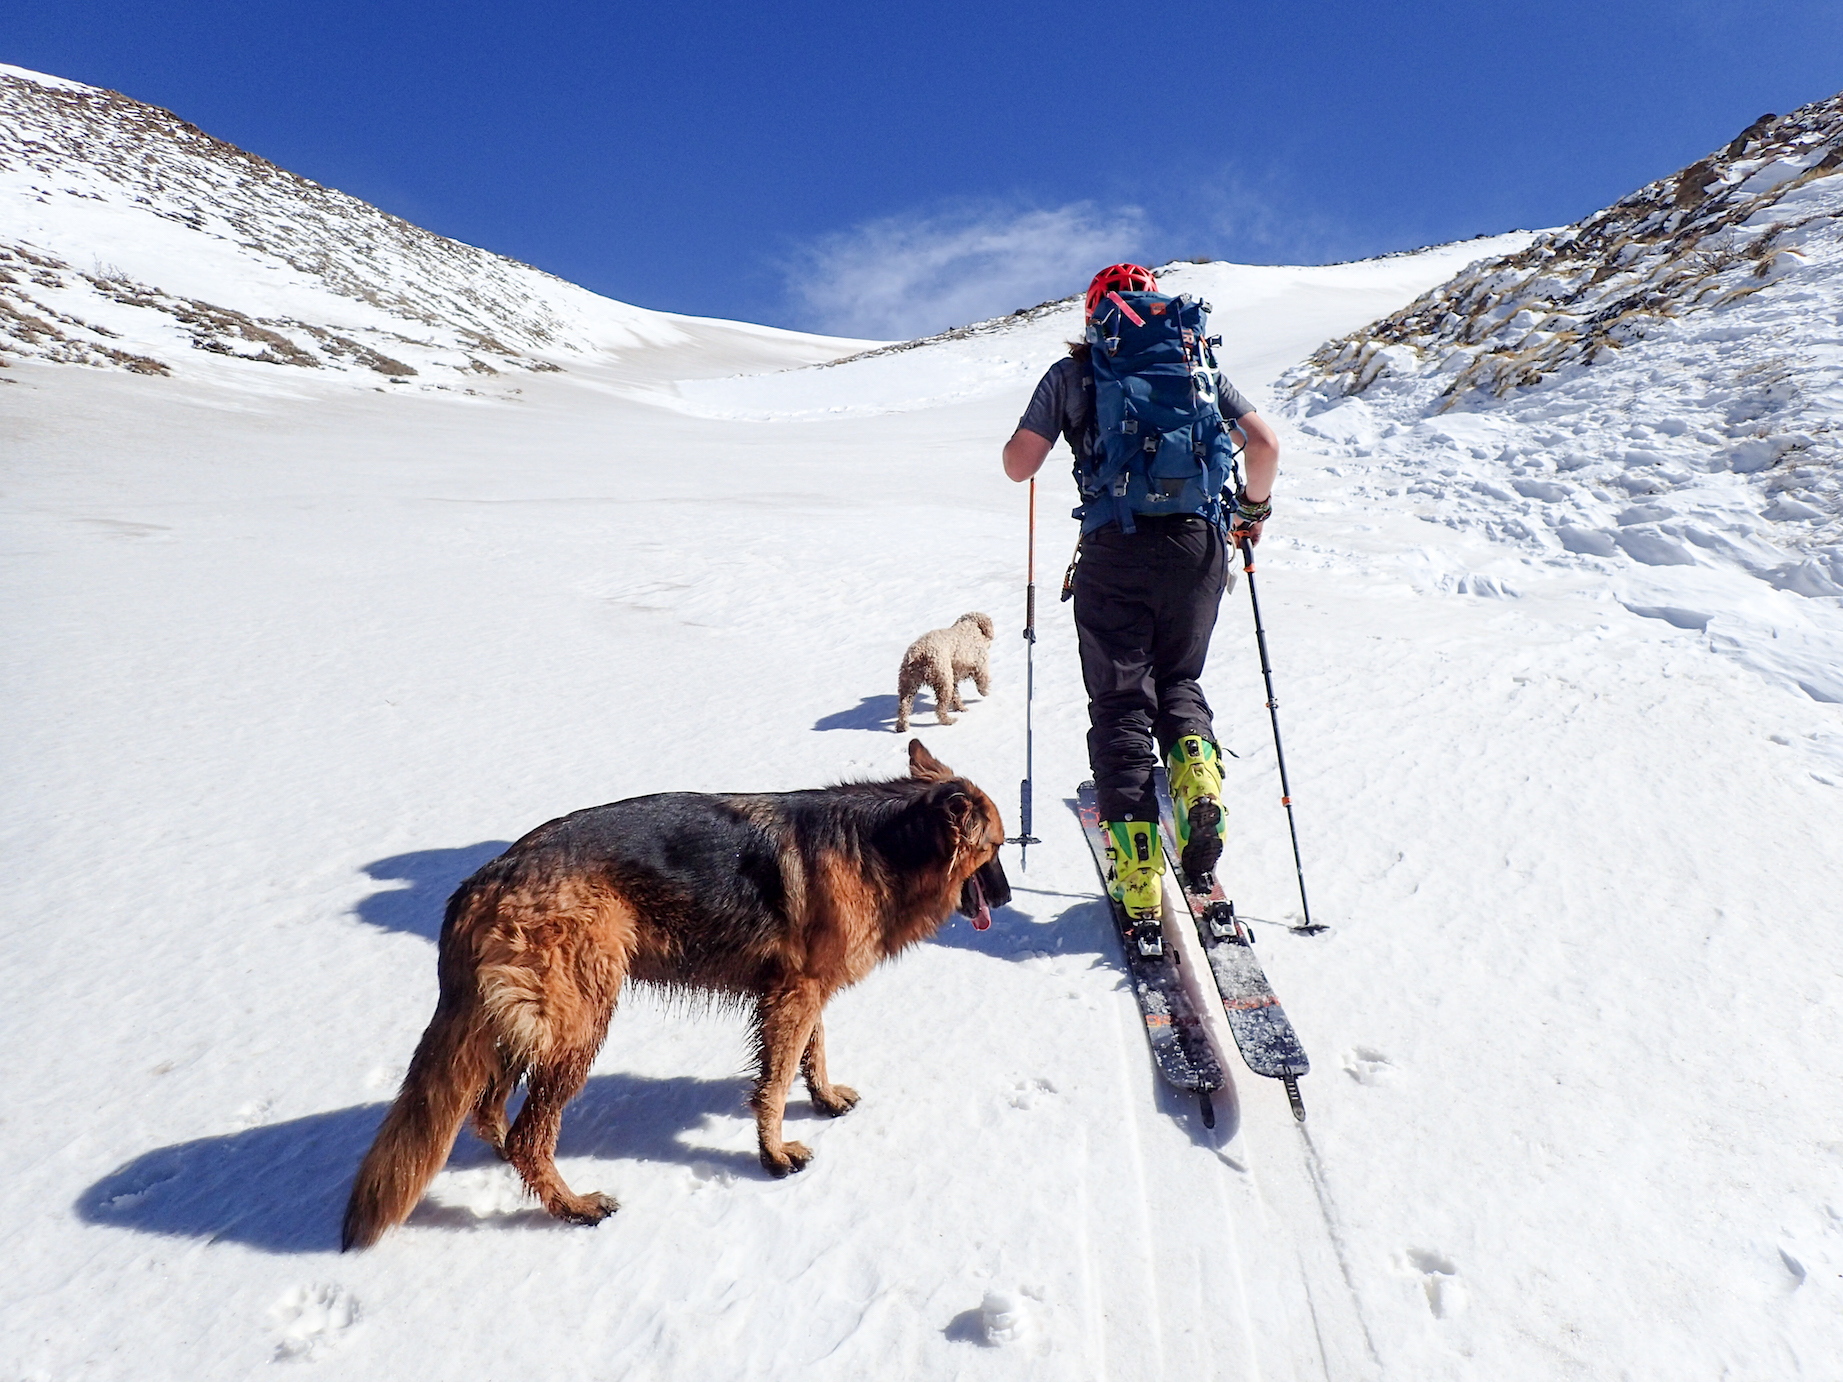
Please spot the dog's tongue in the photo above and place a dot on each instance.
(982, 917)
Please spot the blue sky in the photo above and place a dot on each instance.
(890, 169)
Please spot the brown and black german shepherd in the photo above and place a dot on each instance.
(780, 898)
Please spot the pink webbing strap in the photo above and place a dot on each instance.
(1131, 315)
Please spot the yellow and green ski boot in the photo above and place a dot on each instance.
(1138, 869)
(1195, 765)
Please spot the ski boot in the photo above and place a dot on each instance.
(1136, 882)
(1195, 766)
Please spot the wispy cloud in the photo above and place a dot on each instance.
(1260, 216)
(901, 277)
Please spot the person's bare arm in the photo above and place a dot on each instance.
(1260, 455)
(1025, 453)
(1261, 459)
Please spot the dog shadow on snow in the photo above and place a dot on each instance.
(430, 875)
(282, 1187)
(879, 712)
(872, 712)
(1038, 921)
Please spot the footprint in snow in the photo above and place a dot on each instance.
(1794, 1268)
(1368, 1066)
(311, 1319)
(709, 1173)
(1003, 1317)
(1025, 1093)
(1439, 1281)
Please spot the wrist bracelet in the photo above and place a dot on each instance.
(1250, 512)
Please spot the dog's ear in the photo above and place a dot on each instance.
(963, 812)
(985, 624)
(958, 809)
(971, 816)
(924, 766)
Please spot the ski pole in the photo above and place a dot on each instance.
(1308, 928)
(1024, 839)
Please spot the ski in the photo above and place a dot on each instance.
(1180, 1048)
(1262, 1030)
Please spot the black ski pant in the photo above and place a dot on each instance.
(1145, 606)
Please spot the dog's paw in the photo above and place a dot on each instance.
(587, 1210)
(839, 1100)
(793, 1157)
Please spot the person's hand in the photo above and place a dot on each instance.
(1249, 532)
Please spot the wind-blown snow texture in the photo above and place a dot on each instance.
(1658, 387)
(286, 657)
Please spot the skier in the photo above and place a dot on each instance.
(1145, 606)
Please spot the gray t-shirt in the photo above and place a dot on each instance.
(1063, 404)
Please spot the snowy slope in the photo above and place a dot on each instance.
(131, 238)
(285, 658)
(1269, 314)
(1657, 391)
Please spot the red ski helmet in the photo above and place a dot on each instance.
(1133, 278)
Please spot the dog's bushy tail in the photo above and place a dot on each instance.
(454, 1062)
(447, 1075)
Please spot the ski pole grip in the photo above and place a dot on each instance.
(1030, 613)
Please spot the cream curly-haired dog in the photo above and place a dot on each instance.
(942, 659)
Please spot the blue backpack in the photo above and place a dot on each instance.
(1159, 444)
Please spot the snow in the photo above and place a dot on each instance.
(43, 79)
(1665, 389)
(174, 242)
(287, 655)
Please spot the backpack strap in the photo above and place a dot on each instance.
(1103, 480)
(1126, 311)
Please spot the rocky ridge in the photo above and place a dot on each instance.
(1659, 386)
(276, 268)
(1703, 239)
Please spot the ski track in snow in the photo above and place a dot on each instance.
(286, 659)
